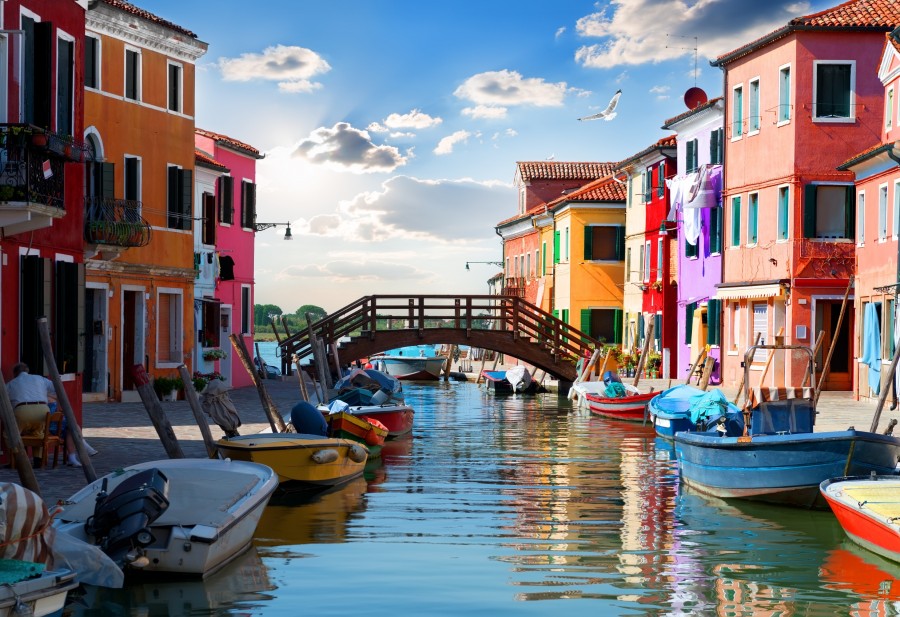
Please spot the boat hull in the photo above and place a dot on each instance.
(398, 419)
(632, 408)
(345, 425)
(496, 381)
(670, 410)
(296, 457)
(782, 469)
(413, 368)
(188, 541)
(866, 507)
(43, 595)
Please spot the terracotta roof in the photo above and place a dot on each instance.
(143, 14)
(864, 155)
(851, 15)
(893, 38)
(669, 141)
(690, 112)
(230, 142)
(603, 189)
(205, 159)
(562, 170)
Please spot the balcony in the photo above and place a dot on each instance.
(113, 225)
(514, 286)
(32, 177)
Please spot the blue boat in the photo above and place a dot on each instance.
(683, 407)
(770, 452)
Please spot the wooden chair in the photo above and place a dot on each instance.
(51, 439)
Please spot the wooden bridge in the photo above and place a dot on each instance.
(504, 324)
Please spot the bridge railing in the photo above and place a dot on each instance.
(372, 314)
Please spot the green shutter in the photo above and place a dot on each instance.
(715, 230)
(689, 322)
(556, 247)
(661, 180)
(690, 250)
(752, 219)
(588, 243)
(556, 313)
(736, 221)
(689, 155)
(657, 327)
(107, 172)
(809, 211)
(620, 243)
(714, 322)
(713, 147)
(586, 321)
(642, 331)
(850, 214)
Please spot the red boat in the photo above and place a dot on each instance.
(629, 407)
(368, 431)
(868, 508)
(398, 419)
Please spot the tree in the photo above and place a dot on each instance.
(317, 313)
(261, 313)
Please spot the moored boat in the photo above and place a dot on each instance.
(39, 595)
(686, 408)
(868, 509)
(185, 516)
(417, 363)
(368, 431)
(632, 406)
(311, 460)
(502, 382)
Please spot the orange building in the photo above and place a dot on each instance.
(139, 119)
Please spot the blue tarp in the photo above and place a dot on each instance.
(872, 346)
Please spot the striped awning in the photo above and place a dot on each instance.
(768, 290)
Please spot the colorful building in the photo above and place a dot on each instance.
(877, 191)
(227, 257)
(42, 186)
(810, 93)
(651, 278)
(139, 112)
(695, 221)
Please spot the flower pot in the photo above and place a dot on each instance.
(39, 140)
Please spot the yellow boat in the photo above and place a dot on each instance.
(309, 459)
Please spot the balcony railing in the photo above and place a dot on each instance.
(115, 222)
(514, 286)
(30, 173)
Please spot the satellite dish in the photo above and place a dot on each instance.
(694, 97)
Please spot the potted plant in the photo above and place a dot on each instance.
(654, 363)
(214, 354)
(39, 139)
(167, 388)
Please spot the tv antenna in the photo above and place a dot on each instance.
(680, 36)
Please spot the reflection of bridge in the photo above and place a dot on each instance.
(505, 324)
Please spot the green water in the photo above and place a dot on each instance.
(514, 505)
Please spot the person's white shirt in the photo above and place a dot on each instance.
(28, 388)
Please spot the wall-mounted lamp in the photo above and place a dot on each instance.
(264, 226)
(493, 263)
(664, 228)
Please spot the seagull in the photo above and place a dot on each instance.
(610, 112)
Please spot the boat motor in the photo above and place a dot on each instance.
(121, 519)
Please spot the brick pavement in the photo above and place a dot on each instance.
(124, 435)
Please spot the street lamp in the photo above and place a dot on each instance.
(264, 226)
(493, 263)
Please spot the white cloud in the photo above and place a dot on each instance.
(485, 112)
(661, 92)
(630, 38)
(345, 148)
(446, 145)
(415, 119)
(292, 67)
(559, 32)
(502, 89)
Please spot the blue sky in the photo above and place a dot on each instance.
(392, 128)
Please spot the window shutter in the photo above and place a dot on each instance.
(690, 250)
(620, 243)
(850, 213)
(556, 313)
(35, 294)
(713, 148)
(172, 207)
(251, 200)
(186, 179)
(689, 158)
(544, 259)
(556, 247)
(229, 199)
(65, 50)
(642, 331)
(617, 326)
(689, 322)
(588, 243)
(657, 327)
(586, 321)
(661, 180)
(90, 62)
(714, 322)
(43, 74)
(715, 230)
(809, 211)
(107, 173)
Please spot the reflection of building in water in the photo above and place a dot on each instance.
(876, 581)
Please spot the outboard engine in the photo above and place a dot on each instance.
(120, 524)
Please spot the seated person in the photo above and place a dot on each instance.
(308, 420)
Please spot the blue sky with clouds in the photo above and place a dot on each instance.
(392, 128)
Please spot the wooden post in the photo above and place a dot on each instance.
(303, 393)
(155, 411)
(14, 441)
(337, 360)
(191, 395)
(882, 397)
(324, 355)
(481, 368)
(819, 340)
(762, 377)
(707, 372)
(275, 419)
(72, 425)
(834, 339)
(318, 356)
(586, 370)
(263, 373)
(700, 357)
(740, 391)
(644, 352)
(301, 378)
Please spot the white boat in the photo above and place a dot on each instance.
(43, 595)
(417, 363)
(181, 516)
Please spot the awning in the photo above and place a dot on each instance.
(769, 290)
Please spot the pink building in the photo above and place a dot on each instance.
(233, 208)
(878, 226)
(799, 102)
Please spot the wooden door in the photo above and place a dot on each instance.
(827, 315)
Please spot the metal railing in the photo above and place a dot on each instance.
(29, 172)
(116, 222)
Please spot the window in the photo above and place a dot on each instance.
(690, 162)
(896, 213)
(605, 325)
(716, 146)
(735, 326)
(65, 75)
(691, 250)
(628, 198)
(175, 87)
(528, 265)
(246, 308)
(889, 109)
(760, 326)
(209, 219)
(715, 230)
(736, 221)
(861, 218)
(132, 178)
(645, 186)
(647, 262)
(661, 180)
(833, 85)
(543, 259)
(882, 212)
(168, 328)
(248, 204)
(91, 62)
(537, 260)
(604, 242)
(210, 335)
(784, 94)
(714, 322)
(69, 316)
(752, 218)
(737, 112)
(641, 259)
(753, 119)
(556, 246)
(828, 211)
(659, 259)
(133, 74)
(783, 209)
(38, 74)
(180, 191)
(567, 244)
(225, 199)
(628, 264)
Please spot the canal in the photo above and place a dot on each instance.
(514, 505)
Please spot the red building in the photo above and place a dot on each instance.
(42, 185)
